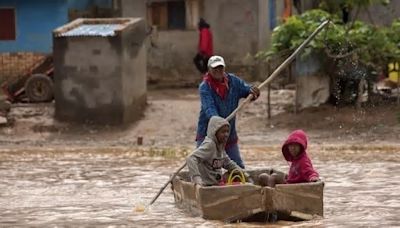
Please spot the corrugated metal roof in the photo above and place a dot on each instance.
(92, 30)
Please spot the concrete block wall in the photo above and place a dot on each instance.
(101, 80)
(170, 60)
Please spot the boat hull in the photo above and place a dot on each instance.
(238, 202)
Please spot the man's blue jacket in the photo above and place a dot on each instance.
(213, 105)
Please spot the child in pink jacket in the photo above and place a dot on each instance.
(295, 151)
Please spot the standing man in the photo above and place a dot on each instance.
(220, 93)
(205, 47)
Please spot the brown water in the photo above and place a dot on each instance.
(103, 187)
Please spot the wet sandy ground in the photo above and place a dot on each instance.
(170, 119)
(91, 187)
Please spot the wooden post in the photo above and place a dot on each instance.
(269, 91)
(360, 92)
(296, 95)
(289, 69)
(398, 81)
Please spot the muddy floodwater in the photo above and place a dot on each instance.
(96, 188)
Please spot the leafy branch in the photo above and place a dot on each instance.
(375, 46)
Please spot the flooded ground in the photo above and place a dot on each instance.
(92, 187)
(100, 186)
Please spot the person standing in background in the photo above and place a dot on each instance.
(205, 46)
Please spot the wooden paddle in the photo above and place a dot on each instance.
(248, 98)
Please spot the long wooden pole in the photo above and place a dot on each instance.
(398, 81)
(280, 68)
(267, 81)
(166, 184)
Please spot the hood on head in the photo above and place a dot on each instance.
(297, 136)
(214, 124)
(203, 24)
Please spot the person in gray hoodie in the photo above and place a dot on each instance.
(206, 162)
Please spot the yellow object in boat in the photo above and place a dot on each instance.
(239, 176)
(393, 69)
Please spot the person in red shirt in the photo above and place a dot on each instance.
(205, 47)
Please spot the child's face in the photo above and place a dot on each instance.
(222, 134)
(294, 149)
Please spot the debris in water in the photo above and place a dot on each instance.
(3, 120)
(140, 207)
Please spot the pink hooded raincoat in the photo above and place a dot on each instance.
(301, 169)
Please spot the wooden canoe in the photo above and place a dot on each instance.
(246, 201)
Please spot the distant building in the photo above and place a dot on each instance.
(26, 26)
(100, 70)
(240, 29)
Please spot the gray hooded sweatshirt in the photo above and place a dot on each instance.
(208, 159)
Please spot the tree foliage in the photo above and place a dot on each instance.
(374, 45)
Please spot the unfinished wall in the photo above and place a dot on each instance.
(236, 32)
(313, 83)
(170, 58)
(101, 79)
(170, 52)
(131, 8)
(134, 71)
(312, 90)
(380, 15)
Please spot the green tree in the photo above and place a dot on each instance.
(374, 46)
